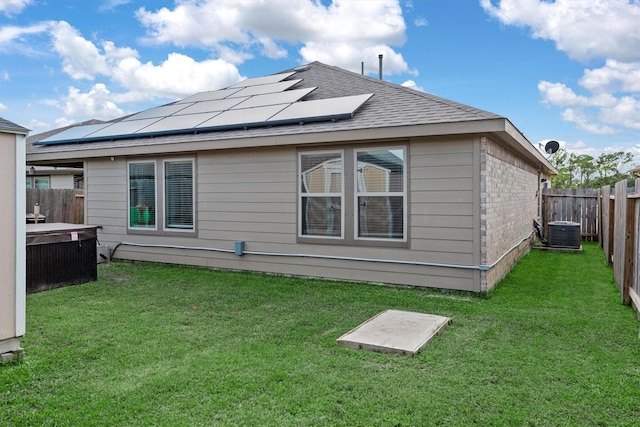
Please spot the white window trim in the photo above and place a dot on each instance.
(193, 196)
(301, 195)
(357, 194)
(155, 175)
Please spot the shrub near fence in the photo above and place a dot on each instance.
(57, 205)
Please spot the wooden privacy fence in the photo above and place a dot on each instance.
(576, 205)
(621, 238)
(57, 205)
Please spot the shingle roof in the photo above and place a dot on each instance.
(391, 106)
(7, 126)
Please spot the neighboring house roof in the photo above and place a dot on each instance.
(392, 112)
(10, 127)
(52, 170)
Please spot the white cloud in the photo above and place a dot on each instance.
(561, 95)
(81, 58)
(3, 107)
(271, 50)
(587, 30)
(615, 76)
(420, 22)
(111, 4)
(178, 76)
(13, 38)
(578, 118)
(584, 29)
(344, 33)
(95, 103)
(626, 112)
(412, 84)
(598, 113)
(350, 56)
(13, 7)
(35, 124)
(580, 147)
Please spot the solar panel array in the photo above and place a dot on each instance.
(261, 101)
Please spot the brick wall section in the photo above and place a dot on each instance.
(509, 203)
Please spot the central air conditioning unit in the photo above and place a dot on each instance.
(564, 234)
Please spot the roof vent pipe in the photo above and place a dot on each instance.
(380, 65)
(362, 68)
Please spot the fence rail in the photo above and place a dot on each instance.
(621, 238)
(57, 205)
(576, 205)
(613, 219)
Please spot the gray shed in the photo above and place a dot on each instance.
(313, 171)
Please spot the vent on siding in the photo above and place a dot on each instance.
(564, 234)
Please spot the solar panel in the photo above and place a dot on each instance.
(128, 127)
(71, 134)
(285, 97)
(246, 117)
(209, 96)
(176, 123)
(163, 111)
(211, 106)
(268, 88)
(342, 107)
(274, 78)
(262, 101)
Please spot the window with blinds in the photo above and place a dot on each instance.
(142, 195)
(178, 194)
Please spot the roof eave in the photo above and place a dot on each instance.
(500, 126)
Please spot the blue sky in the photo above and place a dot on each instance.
(567, 70)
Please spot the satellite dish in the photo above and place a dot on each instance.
(551, 147)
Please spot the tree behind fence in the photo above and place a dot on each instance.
(58, 205)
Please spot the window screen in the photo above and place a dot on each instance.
(142, 195)
(178, 194)
(380, 193)
(41, 182)
(321, 183)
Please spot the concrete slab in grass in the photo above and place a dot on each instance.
(395, 331)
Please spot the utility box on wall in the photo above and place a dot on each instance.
(564, 234)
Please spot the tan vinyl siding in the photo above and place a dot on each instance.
(106, 198)
(251, 196)
(248, 197)
(442, 201)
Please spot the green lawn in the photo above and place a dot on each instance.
(152, 344)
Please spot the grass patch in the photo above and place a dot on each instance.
(151, 344)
